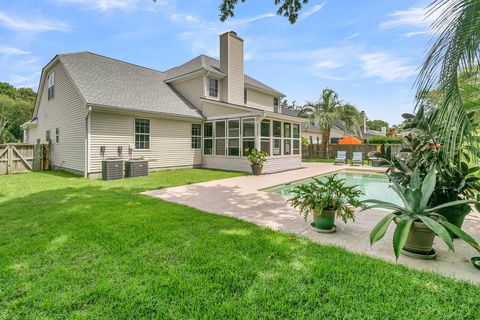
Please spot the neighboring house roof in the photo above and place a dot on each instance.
(108, 82)
(209, 64)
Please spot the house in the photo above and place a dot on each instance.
(204, 113)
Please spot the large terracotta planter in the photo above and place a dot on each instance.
(256, 169)
(324, 220)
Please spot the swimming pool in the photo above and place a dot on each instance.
(373, 185)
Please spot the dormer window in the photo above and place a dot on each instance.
(213, 87)
(51, 85)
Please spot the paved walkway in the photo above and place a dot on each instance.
(242, 198)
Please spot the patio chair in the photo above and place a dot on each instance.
(357, 158)
(341, 157)
(373, 159)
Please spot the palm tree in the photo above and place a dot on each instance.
(329, 110)
(455, 50)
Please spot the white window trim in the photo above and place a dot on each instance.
(249, 137)
(208, 88)
(200, 136)
(210, 138)
(215, 138)
(240, 137)
(149, 134)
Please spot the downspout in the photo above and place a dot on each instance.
(87, 142)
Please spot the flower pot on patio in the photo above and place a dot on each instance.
(419, 241)
(325, 220)
(256, 169)
(456, 215)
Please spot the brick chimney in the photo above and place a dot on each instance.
(231, 63)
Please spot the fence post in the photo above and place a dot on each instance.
(9, 159)
(37, 156)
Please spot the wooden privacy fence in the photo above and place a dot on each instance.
(316, 150)
(21, 157)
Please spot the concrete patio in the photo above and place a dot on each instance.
(243, 198)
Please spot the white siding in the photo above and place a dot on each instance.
(170, 141)
(231, 63)
(192, 90)
(273, 164)
(67, 112)
(259, 100)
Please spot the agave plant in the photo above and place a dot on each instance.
(415, 197)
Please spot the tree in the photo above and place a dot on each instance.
(291, 106)
(286, 8)
(455, 50)
(7, 89)
(327, 111)
(376, 124)
(13, 114)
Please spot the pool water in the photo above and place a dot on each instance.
(373, 185)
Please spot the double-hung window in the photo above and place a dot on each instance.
(208, 138)
(57, 135)
(213, 87)
(265, 136)
(248, 134)
(277, 138)
(196, 136)
(296, 138)
(220, 138)
(51, 85)
(142, 133)
(234, 138)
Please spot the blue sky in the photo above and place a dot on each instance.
(369, 51)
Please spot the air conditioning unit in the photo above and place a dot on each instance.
(112, 169)
(136, 168)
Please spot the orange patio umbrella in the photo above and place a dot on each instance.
(350, 140)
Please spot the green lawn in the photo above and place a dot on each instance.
(75, 248)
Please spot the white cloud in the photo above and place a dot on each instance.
(352, 36)
(387, 67)
(414, 33)
(415, 17)
(32, 24)
(103, 5)
(10, 51)
(309, 12)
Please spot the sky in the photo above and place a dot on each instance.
(368, 51)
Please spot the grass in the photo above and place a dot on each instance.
(81, 249)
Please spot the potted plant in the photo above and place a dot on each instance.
(417, 223)
(324, 199)
(257, 158)
(455, 179)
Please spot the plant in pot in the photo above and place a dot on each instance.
(455, 179)
(417, 223)
(257, 159)
(324, 199)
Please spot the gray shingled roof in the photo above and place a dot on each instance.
(213, 65)
(109, 82)
(338, 125)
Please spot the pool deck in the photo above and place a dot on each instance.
(243, 198)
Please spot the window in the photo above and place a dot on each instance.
(213, 87)
(196, 136)
(234, 138)
(47, 135)
(277, 138)
(296, 138)
(220, 138)
(208, 138)
(275, 102)
(245, 96)
(287, 138)
(265, 136)
(57, 135)
(276, 109)
(142, 134)
(51, 85)
(248, 133)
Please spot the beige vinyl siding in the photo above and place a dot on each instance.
(259, 100)
(334, 133)
(170, 140)
(273, 164)
(67, 112)
(214, 110)
(231, 63)
(192, 90)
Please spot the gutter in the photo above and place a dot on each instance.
(87, 141)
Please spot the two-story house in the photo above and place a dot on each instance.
(204, 113)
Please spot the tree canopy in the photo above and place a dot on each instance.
(376, 124)
(286, 8)
(16, 107)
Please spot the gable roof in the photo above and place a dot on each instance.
(108, 82)
(209, 64)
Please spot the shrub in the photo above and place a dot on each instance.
(385, 140)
